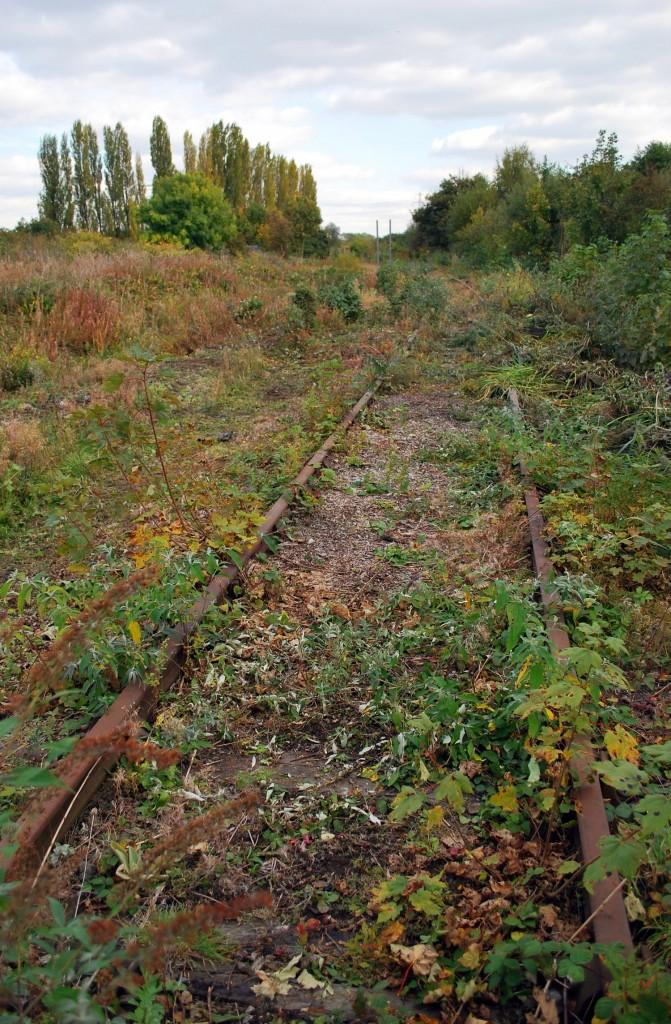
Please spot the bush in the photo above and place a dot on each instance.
(344, 298)
(305, 300)
(624, 293)
(189, 209)
(247, 310)
(15, 374)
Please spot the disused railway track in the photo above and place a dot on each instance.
(40, 828)
(608, 915)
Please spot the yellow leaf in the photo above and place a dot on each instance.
(506, 799)
(434, 818)
(135, 632)
(471, 958)
(621, 745)
(392, 933)
(523, 671)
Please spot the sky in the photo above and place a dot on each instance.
(383, 99)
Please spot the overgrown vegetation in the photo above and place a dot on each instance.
(154, 403)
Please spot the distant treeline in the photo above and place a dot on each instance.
(531, 210)
(269, 199)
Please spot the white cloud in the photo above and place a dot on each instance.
(468, 138)
(380, 97)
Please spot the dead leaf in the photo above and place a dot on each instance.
(419, 957)
(549, 1011)
(279, 982)
(270, 987)
(548, 915)
(392, 933)
(307, 980)
(341, 610)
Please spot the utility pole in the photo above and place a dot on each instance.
(377, 242)
(390, 240)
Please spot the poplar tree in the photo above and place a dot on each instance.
(68, 209)
(140, 187)
(95, 172)
(269, 181)
(160, 149)
(257, 174)
(307, 186)
(119, 178)
(82, 184)
(51, 196)
(190, 155)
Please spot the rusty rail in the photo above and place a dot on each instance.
(40, 828)
(607, 910)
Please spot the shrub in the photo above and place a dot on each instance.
(625, 293)
(345, 298)
(305, 300)
(189, 209)
(247, 310)
(15, 374)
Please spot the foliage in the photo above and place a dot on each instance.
(532, 211)
(344, 297)
(189, 209)
(305, 300)
(625, 294)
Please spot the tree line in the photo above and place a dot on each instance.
(532, 210)
(255, 194)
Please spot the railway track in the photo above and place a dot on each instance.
(47, 824)
(39, 830)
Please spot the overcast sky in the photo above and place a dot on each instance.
(384, 99)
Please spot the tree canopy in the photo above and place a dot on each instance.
(189, 209)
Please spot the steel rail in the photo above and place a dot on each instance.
(609, 920)
(81, 777)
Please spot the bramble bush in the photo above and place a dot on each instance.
(623, 293)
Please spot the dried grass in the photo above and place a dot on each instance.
(22, 442)
(83, 320)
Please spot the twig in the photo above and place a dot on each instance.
(63, 819)
(86, 862)
(598, 910)
(159, 453)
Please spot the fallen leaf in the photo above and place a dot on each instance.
(548, 915)
(341, 610)
(471, 958)
(419, 957)
(307, 980)
(392, 933)
(546, 1007)
(270, 986)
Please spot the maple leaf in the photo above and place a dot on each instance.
(269, 987)
(419, 957)
(471, 958)
(506, 799)
(423, 901)
(621, 745)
